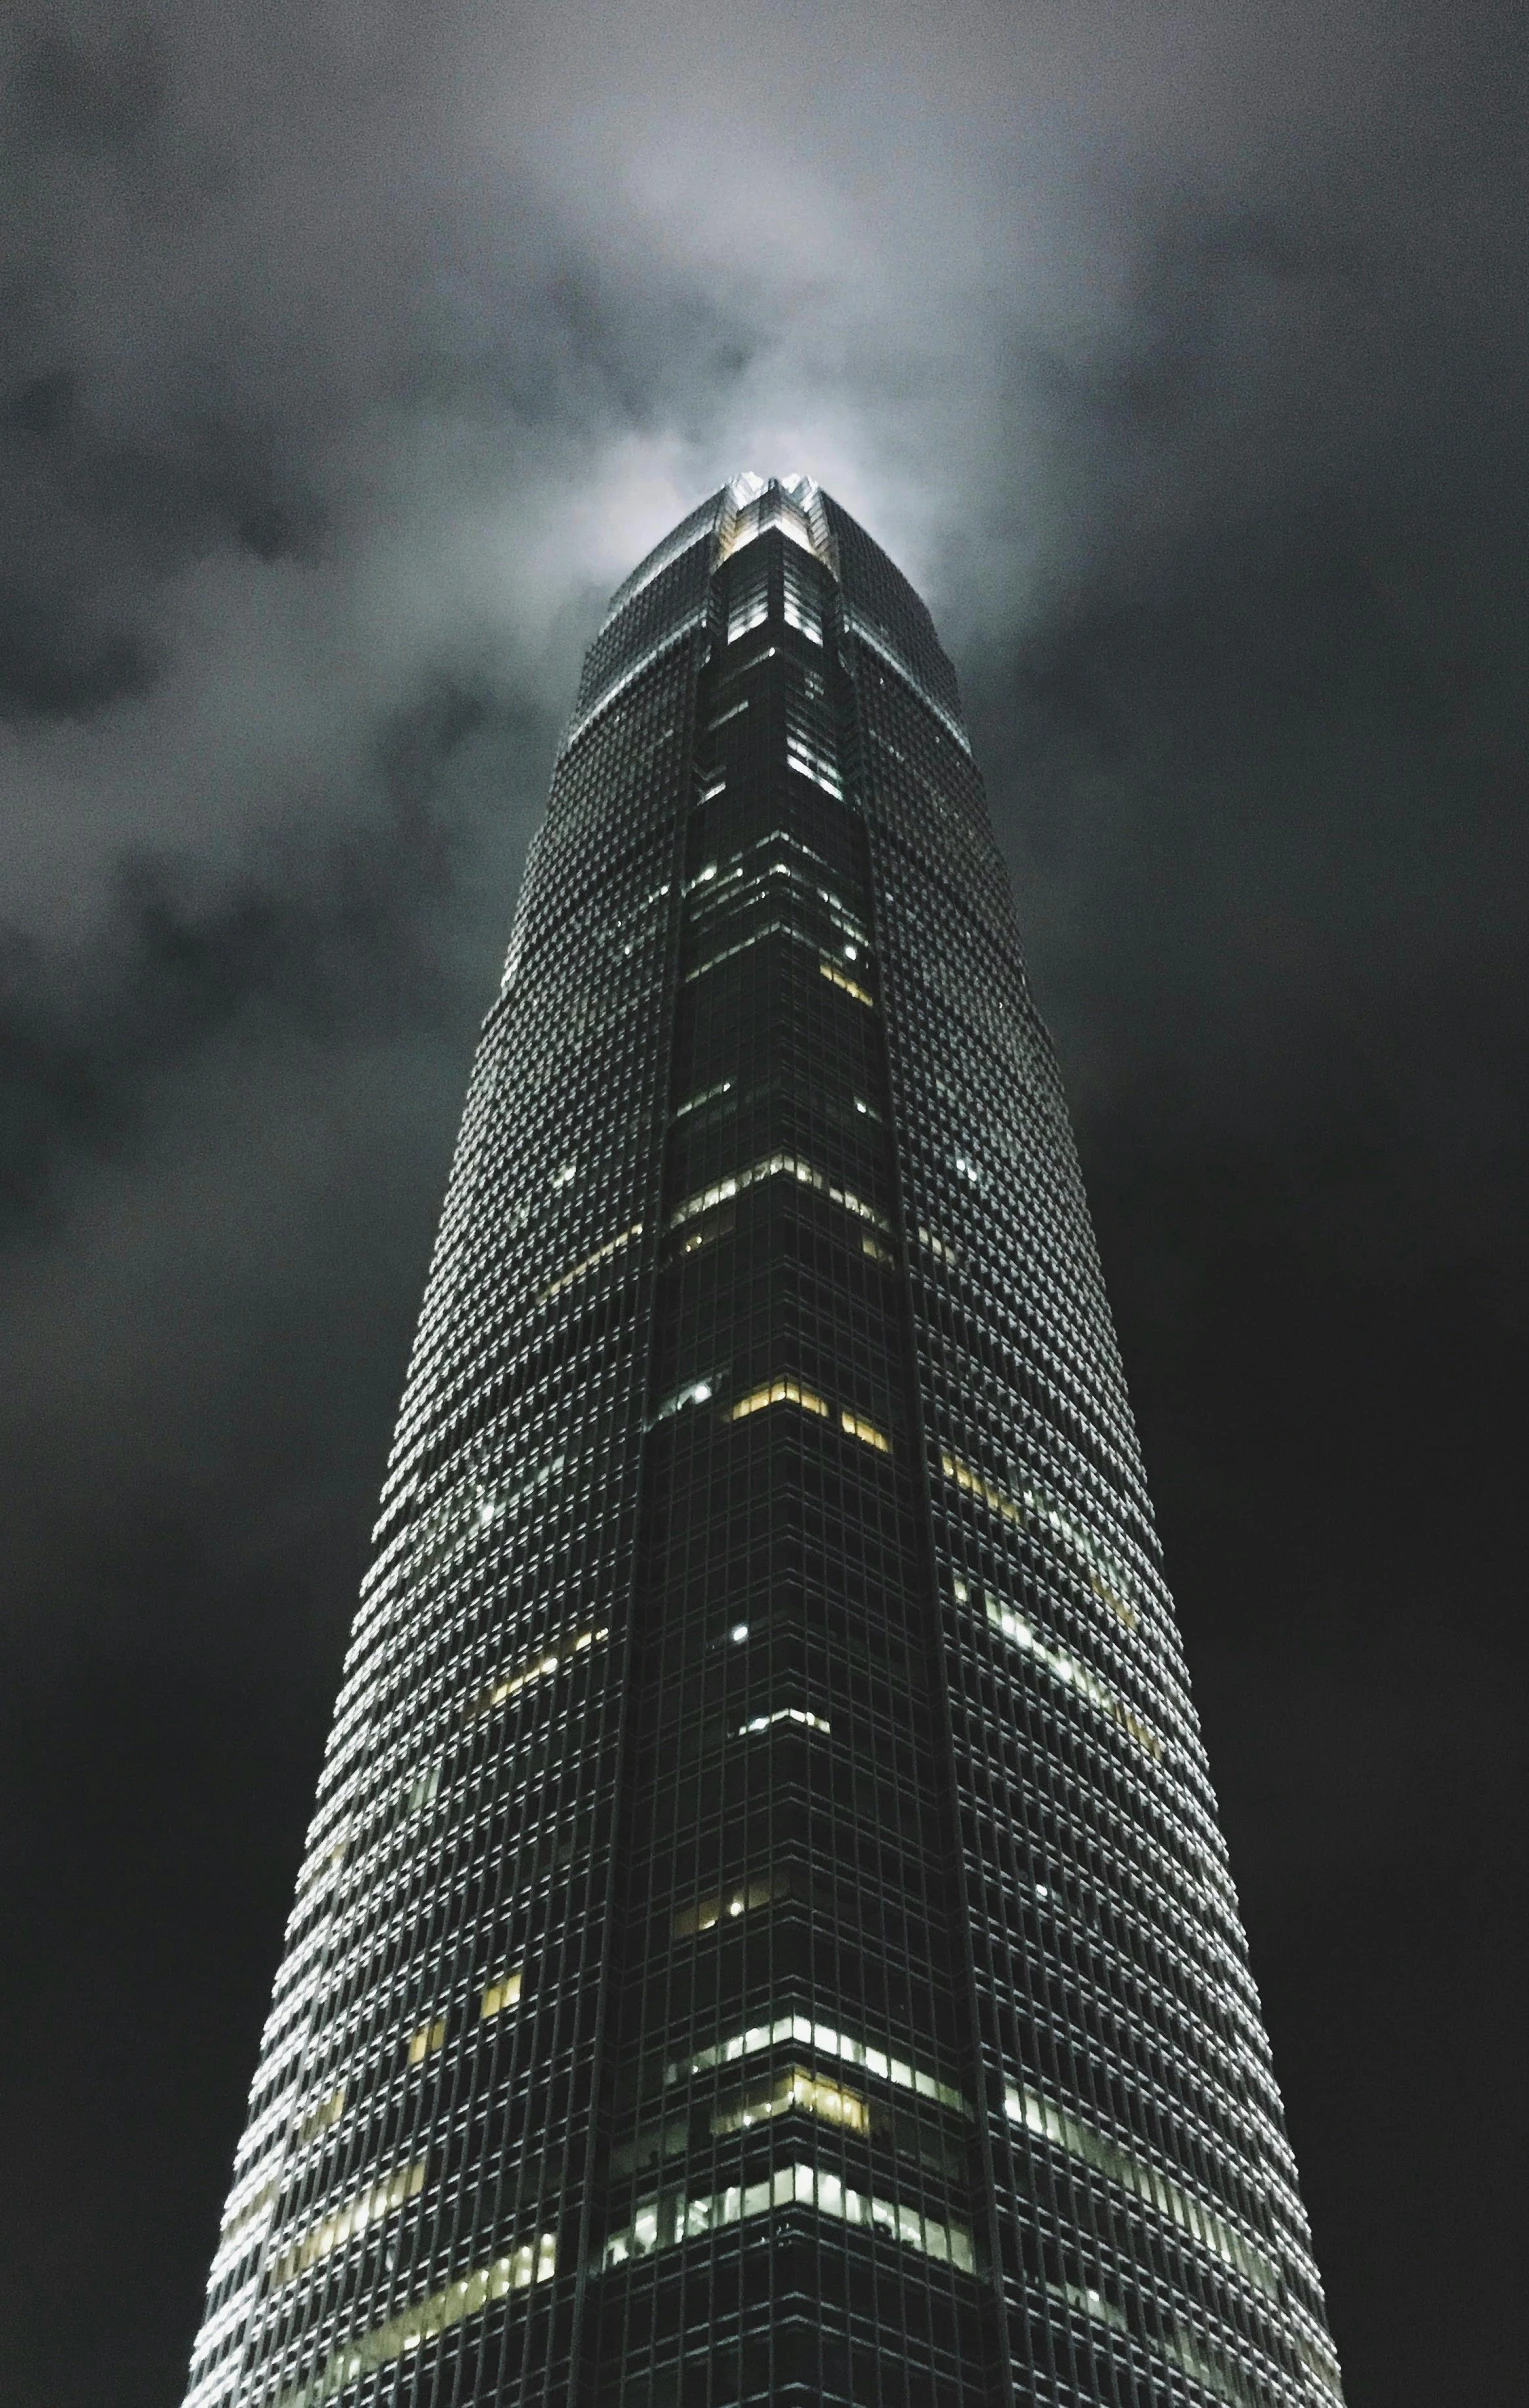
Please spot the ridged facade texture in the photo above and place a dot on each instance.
(764, 1934)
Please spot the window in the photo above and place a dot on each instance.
(663, 2222)
(501, 1994)
(795, 2089)
(427, 2040)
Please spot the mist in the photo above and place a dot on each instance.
(349, 356)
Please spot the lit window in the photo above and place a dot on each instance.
(427, 2040)
(854, 1425)
(796, 2089)
(826, 2042)
(333, 2231)
(693, 1920)
(541, 1668)
(750, 604)
(664, 2222)
(533, 2262)
(941, 1248)
(591, 1262)
(809, 760)
(707, 1095)
(1049, 2122)
(1035, 1509)
(501, 1994)
(1066, 1668)
(847, 986)
(775, 1166)
(802, 608)
(425, 1788)
(797, 1714)
(778, 1392)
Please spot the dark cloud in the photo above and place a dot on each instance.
(348, 355)
(332, 933)
(87, 94)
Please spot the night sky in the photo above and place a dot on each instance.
(349, 354)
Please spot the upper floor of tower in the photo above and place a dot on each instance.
(844, 576)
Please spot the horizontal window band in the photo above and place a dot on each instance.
(693, 624)
(333, 2231)
(542, 1668)
(534, 2261)
(1095, 2149)
(826, 2041)
(849, 986)
(797, 936)
(591, 1262)
(777, 1166)
(799, 2091)
(665, 2223)
(1014, 1626)
(791, 1392)
(783, 1714)
(1033, 1510)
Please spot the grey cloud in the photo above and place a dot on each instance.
(330, 934)
(350, 354)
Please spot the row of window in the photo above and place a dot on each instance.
(533, 2261)
(664, 2223)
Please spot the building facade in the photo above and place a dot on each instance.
(764, 1935)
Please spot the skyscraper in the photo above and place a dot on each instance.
(764, 1933)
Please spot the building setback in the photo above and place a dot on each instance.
(764, 1934)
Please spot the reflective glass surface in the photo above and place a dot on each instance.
(764, 1933)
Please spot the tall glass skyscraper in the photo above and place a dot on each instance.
(764, 1934)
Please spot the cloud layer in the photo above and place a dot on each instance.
(348, 357)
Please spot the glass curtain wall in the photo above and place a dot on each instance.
(764, 1934)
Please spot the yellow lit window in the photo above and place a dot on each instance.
(973, 1484)
(942, 1249)
(778, 1392)
(658, 2222)
(855, 1426)
(428, 2038)
(849, 986)
(1068, 1669)
(718, 1223)
(501, 1994)
(850, 2049)
(1119, 1606)
(796, 2088)
(534, 2261)
(1044, 1513)
(367, 2207)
